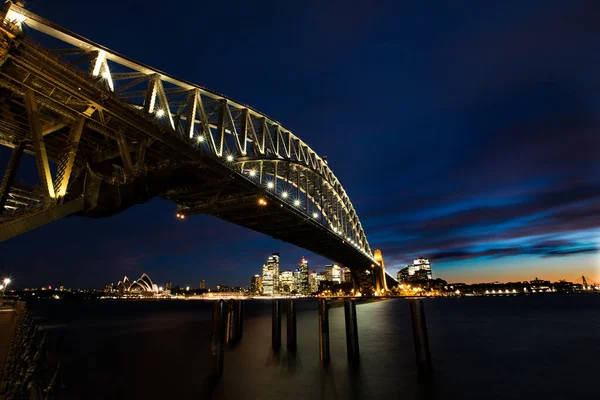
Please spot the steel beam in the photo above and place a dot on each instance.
(41, 217)
(65, 165)
(10, 173)
(41, 156)
(125, 156)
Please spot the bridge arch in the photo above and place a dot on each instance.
(145, 115)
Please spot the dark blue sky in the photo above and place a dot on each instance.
(464, 131)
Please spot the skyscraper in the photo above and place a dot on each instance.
(202, 284)
(303, 287)
(336, 274)
(270, 276)
(297, 281)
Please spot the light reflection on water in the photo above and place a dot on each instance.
(510, 347)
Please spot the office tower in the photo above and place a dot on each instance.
(303, 286)
(202, 284)
(270, 275)
(336, 274)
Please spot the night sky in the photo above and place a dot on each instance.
(468, 132)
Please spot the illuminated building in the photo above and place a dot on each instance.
(202, 284)
(313, 284)
(321, 277)
(336, 274)
(420, 270)
(168, 286)
(286, 282)
(143, 285)
(270, 275)
(329, 272)
(297, 280)
(540, 285)
(256, 284)
(347, 276)
(303, 286)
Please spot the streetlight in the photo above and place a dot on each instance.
(6, 282)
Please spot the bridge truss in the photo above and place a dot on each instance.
(108, 121)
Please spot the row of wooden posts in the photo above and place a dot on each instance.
(228, 321)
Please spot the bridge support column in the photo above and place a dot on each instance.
(324, 331)
(219, 336)
(276, 325)
(10, 173)
(291, 325)
(240, 320)
(417, 313)
(232, 322)
(41, 156)
(351, 329)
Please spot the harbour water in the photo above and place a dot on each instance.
(544, 346)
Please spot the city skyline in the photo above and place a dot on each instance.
(471, 139)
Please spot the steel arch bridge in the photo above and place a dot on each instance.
(119, 132)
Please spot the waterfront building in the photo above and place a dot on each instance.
(329, 272)
(347, 276)
(286, 282)
(270, 275)
(303, 286)
(143, 285)
(202, 284)
(336, 274)
(321, 277)
(168, 286)
(419, 270)
(540, 285)
(313, 284)
(297, 280)
(256, 284)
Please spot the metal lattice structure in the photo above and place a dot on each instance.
(112, 124)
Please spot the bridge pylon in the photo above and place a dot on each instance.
(379, 278)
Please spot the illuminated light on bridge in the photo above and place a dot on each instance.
(153, 135)
(284, 195)
(262, 202)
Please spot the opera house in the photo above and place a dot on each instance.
(142, 286)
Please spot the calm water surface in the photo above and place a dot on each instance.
(482, 348)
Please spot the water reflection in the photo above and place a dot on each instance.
(491, 346)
